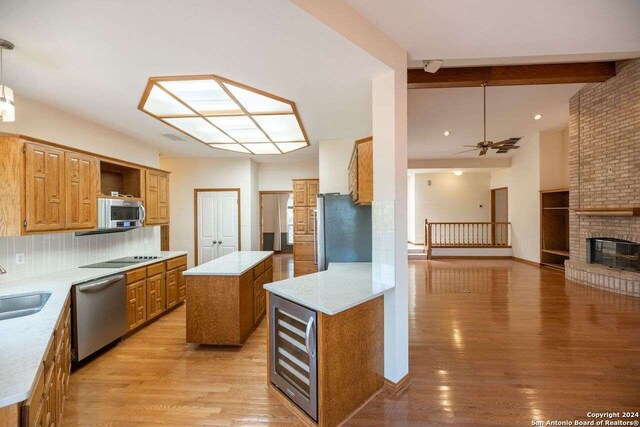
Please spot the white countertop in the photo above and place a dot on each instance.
(24, 340)
(233, 264)
(342, 286)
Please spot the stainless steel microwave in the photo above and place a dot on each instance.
(119, 214)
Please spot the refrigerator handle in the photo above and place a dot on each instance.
(315, 237)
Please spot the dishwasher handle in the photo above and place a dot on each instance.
(102, 284)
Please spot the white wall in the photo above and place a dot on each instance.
(45, 122)
(411, 208)
(188, 174)
(523, 182)
(278, 176)
(554, 159)
(54, 252)
(333, 164)
(451, 198)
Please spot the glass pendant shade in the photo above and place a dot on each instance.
(7, 104)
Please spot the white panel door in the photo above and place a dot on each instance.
(207, 226)
(217, 224)
(227, 222)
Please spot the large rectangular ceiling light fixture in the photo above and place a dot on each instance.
(225, 115)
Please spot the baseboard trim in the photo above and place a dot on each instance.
(526, 261)
(470, 257)
(397, 389)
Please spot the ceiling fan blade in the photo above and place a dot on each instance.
(465, 151)
(474, 146)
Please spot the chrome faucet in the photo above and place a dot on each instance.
(2, 270)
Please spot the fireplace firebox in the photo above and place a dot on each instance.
(614, 253)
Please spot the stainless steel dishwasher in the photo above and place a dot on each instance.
(99, 314)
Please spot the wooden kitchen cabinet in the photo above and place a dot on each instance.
(361, 172)
(81, 174)
(44, 406)
(44, 188)
(157, 197)
(305, 193)
(136, 303)
(155, 295)
(51, 188)
(182, 283)
(172, 287)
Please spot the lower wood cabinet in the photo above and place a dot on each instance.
(44, 406)
(154, 289)
(137, 303)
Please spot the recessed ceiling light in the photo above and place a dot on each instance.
(446, 133)
(225, 115)
(457, 173)
(537, 117)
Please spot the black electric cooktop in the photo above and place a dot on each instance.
(122, 262)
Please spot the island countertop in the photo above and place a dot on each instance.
(342, 286)
(233, 264)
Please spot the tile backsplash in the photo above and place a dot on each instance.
(54, 252)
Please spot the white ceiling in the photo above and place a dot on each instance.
(466, 30)
(510, 111)
(93, 59)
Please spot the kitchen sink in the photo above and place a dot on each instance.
(19, 305)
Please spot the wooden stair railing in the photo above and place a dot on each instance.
(466, 235)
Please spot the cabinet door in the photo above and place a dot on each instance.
(172, 287)
(300, 220)
(364, 172)
(136, 304)
(157, 197)
(81, 173)
(152, 196)
(182, 285)
(312, 193)
(44, 188)
(311, 220)
(300, 195)
(155, 298)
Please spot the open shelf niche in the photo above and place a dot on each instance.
(554, 227)
(126, 180)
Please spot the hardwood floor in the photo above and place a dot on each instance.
(491, 342)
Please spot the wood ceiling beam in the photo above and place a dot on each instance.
(511, 75)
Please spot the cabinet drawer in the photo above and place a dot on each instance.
(268, 263)
(176, 262)
(258, 270)
(49, 359)
(136, 275)
(154, 269)
(303, 238)
(303, 251)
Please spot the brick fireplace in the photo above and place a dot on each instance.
(604, 175)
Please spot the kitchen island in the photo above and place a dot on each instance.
(225, 297)
(325, 349)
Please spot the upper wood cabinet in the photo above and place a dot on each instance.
(361, 172)
(81, 190)
(44, 188)
(157, 197)
(305, 193)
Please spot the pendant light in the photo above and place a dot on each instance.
(7, 104)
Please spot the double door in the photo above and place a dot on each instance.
(217, 223)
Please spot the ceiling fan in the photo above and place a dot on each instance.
(484, 145)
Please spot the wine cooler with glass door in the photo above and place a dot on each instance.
(293, 353)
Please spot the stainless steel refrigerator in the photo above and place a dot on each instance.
(343, 230)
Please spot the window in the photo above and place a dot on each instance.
(290, 220)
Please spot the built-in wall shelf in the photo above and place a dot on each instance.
(608, 212)
(554, 228)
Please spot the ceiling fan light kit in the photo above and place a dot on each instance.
(484, 146)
